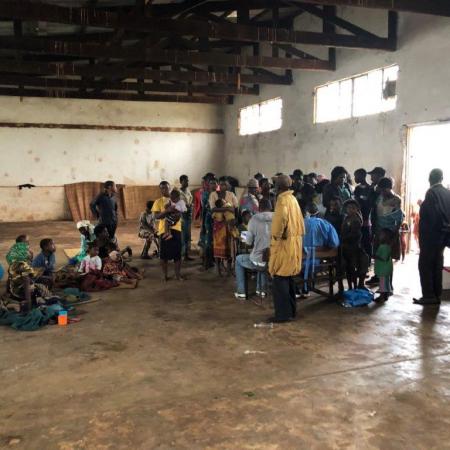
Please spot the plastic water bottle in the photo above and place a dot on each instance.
(263, 325)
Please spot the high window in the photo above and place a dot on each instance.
(261, 118)
(362, 95)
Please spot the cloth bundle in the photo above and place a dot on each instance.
(355, 298)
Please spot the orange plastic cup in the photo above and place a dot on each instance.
(62, 318)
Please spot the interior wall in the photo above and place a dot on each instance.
(176, 138)
(423, 92)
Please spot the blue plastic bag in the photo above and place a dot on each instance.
(2, 272)
(357, 297)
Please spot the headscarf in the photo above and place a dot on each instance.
(83, 224)
(18, 252)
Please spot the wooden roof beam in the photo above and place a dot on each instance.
(433, 7)
(30, 81)
(62, 70)
(141, 53)
(55, 93)
(25, 10)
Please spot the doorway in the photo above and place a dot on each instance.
(428, 147)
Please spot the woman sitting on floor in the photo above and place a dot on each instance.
(20, 251)
(116, 268)
(21, 283)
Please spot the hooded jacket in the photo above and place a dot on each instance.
(258, 235)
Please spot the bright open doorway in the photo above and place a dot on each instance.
(428, 148)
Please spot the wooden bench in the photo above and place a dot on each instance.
(325, 271)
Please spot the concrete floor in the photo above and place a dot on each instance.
(165, 366)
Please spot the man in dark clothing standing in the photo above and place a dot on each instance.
(104, 207)
(434, 235)
(362, 196)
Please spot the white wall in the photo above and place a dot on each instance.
(50, 158)
(423, 90)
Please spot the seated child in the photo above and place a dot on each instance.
(384, 268)
(147, 231)
(20, 251)
(45, 263)
(176, 206)
(91, 266)
(46, 259)
(355, 258)
(92, 261)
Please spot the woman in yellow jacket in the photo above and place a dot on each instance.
(285, 250)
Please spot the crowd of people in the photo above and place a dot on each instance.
(274, 230)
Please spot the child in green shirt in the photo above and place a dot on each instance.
(384, 268)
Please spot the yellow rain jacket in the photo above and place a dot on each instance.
(288, 229)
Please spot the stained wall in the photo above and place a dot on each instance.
(152, 142)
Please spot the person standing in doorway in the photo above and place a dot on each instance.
(434, 236)
(186, 226)
(104, 208)
(170, 249)
(285, 250)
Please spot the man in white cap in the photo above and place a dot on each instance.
(249, 202)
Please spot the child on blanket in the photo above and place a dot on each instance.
(46, 262)
(46, 259)
(91, 266)
(91, 262)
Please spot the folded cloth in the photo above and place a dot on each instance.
(32, 321)
(75, 292)
(71, 252)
